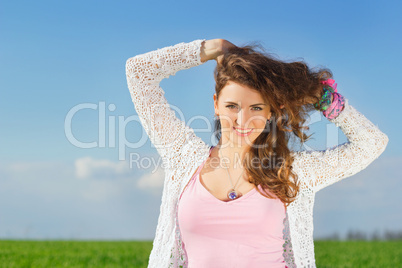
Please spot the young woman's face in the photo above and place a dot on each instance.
(242, 112)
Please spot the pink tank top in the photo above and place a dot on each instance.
(245, 232)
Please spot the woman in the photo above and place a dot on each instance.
(248, 201)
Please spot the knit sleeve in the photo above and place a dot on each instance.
(144, 73)
(365, 144)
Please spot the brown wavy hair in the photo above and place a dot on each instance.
(292, 84)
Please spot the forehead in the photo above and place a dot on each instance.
(240, 93)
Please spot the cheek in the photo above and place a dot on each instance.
(259, 123)
(227, 119)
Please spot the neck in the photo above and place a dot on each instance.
(231, 155)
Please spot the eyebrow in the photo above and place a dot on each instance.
(250, 105)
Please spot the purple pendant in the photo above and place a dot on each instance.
(232, 194)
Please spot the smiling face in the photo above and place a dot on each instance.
(242, 112)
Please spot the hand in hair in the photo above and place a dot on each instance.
(317, 96)
(214, 49)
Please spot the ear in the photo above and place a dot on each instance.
(282, 106)
(216, 104)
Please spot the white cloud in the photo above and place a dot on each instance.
(367, 200)
(152, 182)
(102, 190)
(43, 199)
(88, 167)
(29, 170)
(371, 187)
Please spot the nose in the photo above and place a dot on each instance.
(242, 118)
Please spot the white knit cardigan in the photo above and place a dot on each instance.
(182, 152)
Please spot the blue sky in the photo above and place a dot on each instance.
(57, 56)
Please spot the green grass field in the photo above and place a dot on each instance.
(376, 254)
(135, 254)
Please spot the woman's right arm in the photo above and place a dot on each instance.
(144, 73)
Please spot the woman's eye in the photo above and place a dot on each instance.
(255, 108)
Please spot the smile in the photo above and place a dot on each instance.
(242, 132)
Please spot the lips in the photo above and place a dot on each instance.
(243, 132)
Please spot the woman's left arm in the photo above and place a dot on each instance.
(365, 144)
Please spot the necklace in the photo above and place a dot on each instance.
(232, 194)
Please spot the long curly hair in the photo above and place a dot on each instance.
(291, 84)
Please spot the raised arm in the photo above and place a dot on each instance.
(144, 73)
(365, 143)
